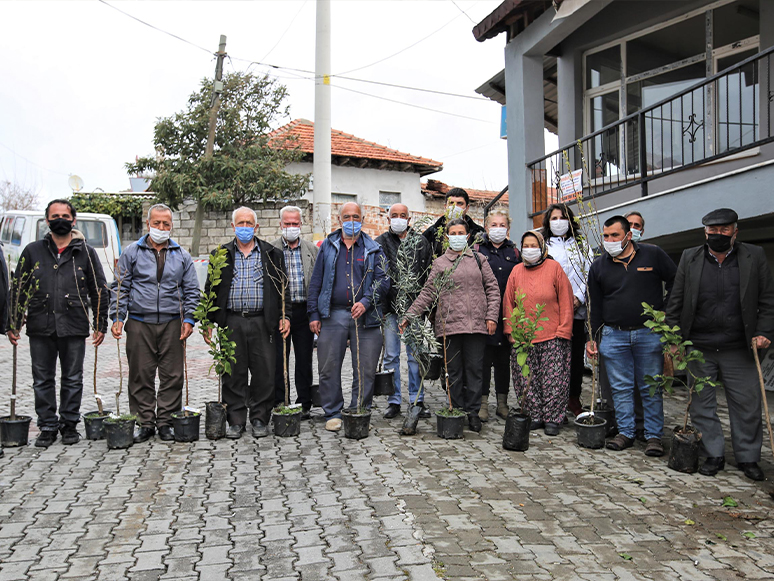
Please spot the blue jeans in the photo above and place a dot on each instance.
(331, 348)
(628, 357)
(392, 361)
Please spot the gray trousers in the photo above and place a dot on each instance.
(331, 348)
(148, 348)
(255, 353)
(735, 368)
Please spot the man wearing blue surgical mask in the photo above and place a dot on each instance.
(348, 283)
(249, 298)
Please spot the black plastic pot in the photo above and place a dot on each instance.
(384, 382)
(186, 426)
(607, 413)
(591, 435)
(316, 402)
(15, 433)
(356, 426)
(684, 453)
(215, 420)
(411, 420)
(435, 367)
(516, 434)
(287, 425)
(119, 434)
(449, 427)
(92, 422)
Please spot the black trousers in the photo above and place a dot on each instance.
(255, 353)
(303, 346)
(465, 362)
(499, 357)
(577, 351)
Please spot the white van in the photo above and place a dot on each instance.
(20, 227)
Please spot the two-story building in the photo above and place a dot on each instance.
(665, 107)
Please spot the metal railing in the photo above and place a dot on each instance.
(720, 116)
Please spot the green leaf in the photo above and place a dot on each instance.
(689, 522)
(721, 536)
(729, 502)
(525, 370)
(748, 535)
(643, 500)
(521, 358)
(625, 556)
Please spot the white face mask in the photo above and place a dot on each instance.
(458, 241)
(615, 248)
(398, 225)
(291, 233)
(160, 236)
(454, 212)
(559, 227)
(636, 234)
(498, 235)
(530, 255)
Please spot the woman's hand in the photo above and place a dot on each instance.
(491, 327)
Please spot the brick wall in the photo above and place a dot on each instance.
(376, 221)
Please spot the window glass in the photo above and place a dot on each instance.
(343, 198)
(734, 22)
(738, 105)
(5, 236)
(603, 67)
(650, 91)
(18, 229)
(94, 231)
(666, 46)
(387, 199)
(603, 157)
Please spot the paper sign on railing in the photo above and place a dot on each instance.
(571, 185)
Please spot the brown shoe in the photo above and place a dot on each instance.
(574, 405)
(654, 447)
(620, 442)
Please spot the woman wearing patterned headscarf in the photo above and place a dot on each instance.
(544, 282)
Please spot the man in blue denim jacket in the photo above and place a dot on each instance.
(155, 282)
(348, 284)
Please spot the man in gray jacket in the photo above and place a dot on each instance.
(155, 292)
(300, 256)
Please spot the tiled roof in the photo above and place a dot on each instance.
(347, 146)
(439, 189)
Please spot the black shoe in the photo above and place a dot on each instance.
(143, 434)
(166, 433)
(306, 411)
(474, 422)
(235, 432)
(70, 435)
(712, 466)
(259, 429)
(536, 425)
(551, 429)
(751, 470)
(424, 412)
(639, 435)
(46, 438)
(392, 411)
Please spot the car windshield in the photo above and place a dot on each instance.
(93, 230)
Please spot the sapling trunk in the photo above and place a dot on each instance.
(446, 368)
(381, 355)
(13, 388)
(120, 378)
(185, 352)
(359, 374)
(96, 396)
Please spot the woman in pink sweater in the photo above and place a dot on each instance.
(544, 282)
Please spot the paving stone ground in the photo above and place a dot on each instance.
(387, 507)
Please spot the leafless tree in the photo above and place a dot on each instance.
(14, 196)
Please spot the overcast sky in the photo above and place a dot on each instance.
(83, 84)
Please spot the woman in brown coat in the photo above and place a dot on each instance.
(468, 306)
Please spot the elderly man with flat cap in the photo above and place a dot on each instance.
(723, 300)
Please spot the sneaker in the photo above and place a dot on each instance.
(70, 435)
(333, 425)
(46, 438)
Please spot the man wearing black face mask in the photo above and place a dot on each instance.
(723, 300)
(69, 278)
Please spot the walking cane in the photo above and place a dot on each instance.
(763, 393)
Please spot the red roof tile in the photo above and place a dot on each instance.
(439, 189)
(345, 145)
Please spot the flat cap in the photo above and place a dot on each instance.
(720, 217)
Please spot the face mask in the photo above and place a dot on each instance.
(458, 241)
(244, 233)
(530, 255)
(351, 229)
(615, 248)
(497, 235)
(559, 227)
(719, 242)
(159, 236)
(291, 233)
(636, 235)
(398, 225)
(60, 226)
(455, 212)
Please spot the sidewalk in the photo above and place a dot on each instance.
(388, 507)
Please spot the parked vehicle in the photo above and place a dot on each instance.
(20, 227)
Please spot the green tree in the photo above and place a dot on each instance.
(247, 164)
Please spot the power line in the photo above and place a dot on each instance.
(461, 10)
(433, 91)
(32, 162)
(286, 31)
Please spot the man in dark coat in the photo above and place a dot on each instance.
(723, 300)
(70, 279)
(3, 301)
(457, 204)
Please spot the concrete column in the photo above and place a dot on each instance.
(321, 189)
(570, 96)
(524, 87)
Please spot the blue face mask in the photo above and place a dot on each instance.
(244, 233)
(351, 228)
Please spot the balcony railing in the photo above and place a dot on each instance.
(720, 116)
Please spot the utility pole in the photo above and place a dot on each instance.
(321, 189)
(217, 88)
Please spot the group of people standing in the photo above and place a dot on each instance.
(721, 295)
